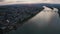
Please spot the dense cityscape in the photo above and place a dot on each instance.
(13, 16)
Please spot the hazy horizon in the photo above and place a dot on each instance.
(29, 1)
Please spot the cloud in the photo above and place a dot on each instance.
(46, 1)
(36, 1)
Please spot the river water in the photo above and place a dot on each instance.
(39, 25)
